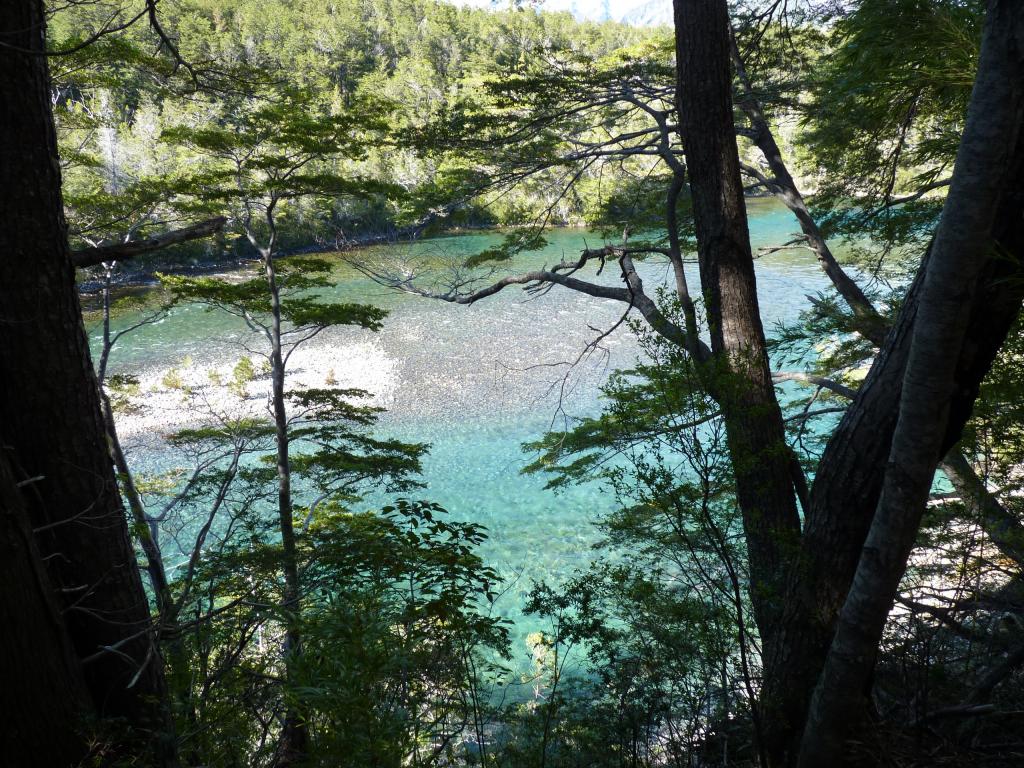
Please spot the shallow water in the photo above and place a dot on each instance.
(477, 381)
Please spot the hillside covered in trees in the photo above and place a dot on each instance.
(398, 383)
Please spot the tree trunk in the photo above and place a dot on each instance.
(849, 477)
(43, 697)
(738, 374)
(294, 742)
(49, 405)
(962, 246)
(143, 532)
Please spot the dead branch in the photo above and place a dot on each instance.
(90, 257)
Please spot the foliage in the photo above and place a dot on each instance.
(315, 124)
(397, 641)
(243, 373)
(380, 73)
(396, 628)
(887, 112)
(662, 617)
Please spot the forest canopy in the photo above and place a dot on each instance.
(392, 382)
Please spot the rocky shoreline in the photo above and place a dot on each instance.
(165, 399)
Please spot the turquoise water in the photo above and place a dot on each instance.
(477, 381)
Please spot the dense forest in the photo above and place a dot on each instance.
(257, 256)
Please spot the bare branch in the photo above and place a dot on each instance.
(539, 280)
(89, 257)
(817, 381)
(921, 192)
(1000, 525)
(870, 324)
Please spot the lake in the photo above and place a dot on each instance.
(478, 381)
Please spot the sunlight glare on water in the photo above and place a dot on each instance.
(477, 381)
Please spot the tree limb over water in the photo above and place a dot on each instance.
(90, 257)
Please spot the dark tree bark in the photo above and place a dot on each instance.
(43, 696)
(849, 479)
(738, 373)
(49, 404)
(960, 250)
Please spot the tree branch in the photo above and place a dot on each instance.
(817, 381)
(911, 197)
(1001, 526)
(89, 257)
(868, 322)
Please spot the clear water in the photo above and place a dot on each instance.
(477, 381)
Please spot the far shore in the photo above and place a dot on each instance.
(145, 276)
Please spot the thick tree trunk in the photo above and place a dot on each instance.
(963, 244)
(49, 405)
(848, 481)
(43, 698)
(739, 375)
(849, 478)
(842, 500)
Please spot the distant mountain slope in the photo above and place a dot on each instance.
(651, 13)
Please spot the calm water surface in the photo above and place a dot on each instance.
(476, 382)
